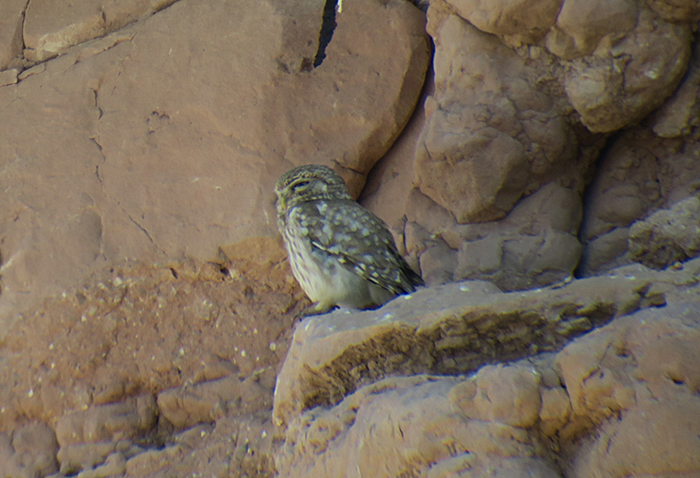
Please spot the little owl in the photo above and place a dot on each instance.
(341, 253)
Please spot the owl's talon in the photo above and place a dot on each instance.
(314, 309)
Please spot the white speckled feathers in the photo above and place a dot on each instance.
(341, 253)
(358, 239)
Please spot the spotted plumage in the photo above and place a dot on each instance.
(341, 254)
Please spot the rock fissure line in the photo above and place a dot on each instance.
(327, 29)
(24, 19)
(143, 229)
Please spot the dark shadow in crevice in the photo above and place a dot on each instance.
(327, 29)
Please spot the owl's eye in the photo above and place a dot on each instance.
(300, 184)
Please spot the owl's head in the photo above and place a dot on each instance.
(309, 183)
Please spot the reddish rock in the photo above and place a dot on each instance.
(452, 329)
(626, 403)
(524, 19)
(28, 452)
(620, 88)
(154, 145)
(11, 32)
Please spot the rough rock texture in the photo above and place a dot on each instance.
(470, 325)
(633, 77)
(11, 32)
(519, 89)
(667, 236)
(608, 404)
(648, 168)
(52, 27)
(488, 130)
(640, 175)
(28, 451)
(622, 59)
(497, 130)
(140, 142)
(426, 426)
(153, 145)
(119, 365)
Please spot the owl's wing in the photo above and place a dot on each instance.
(361, 242)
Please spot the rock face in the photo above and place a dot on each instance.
(146, 307)
(155, 145)
(583, 409)
(474, 324)
(519, 92)
(122, 364)
(667, 236)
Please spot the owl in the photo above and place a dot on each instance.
(341, 254)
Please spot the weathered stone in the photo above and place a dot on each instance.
(51, 27)
(632, 78)
(535, 245)
(640, 173)
(8, 77)
(114, 465)
(508, 395)
(524, 18)
(208, 401)
(635, 366)
(555, 410)
(170, 144)
(90, 457)
(676, 10)
(28, 452)
(401, 424)
(667, 236)
(471, 324)
(11, 31)
(489, 135)
(580, 26)
(679, 114)
(642, 370)
(106, 423)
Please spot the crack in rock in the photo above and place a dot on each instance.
(327, 29)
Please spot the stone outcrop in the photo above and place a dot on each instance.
(146, 308)
(520, 92)
(153, 145)
(610, 403)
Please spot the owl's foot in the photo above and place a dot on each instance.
(314, 309)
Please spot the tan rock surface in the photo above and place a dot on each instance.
(615, 402)
(471, 324)
(679, 114)
(153, 145)
(490, 136)
(105, 341)
(159, 143)
(639, 175)
(633, 78)
(524, 17)
(206, 401)
(667, 236)
(11, 31)
(140, 331)
(28, 451)
(534, 246)
(51, 27)
(498, 128)
(644, 395)
(639, 366)
(406, 426)
(513, 110)
(676, 10)
(580, 26)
